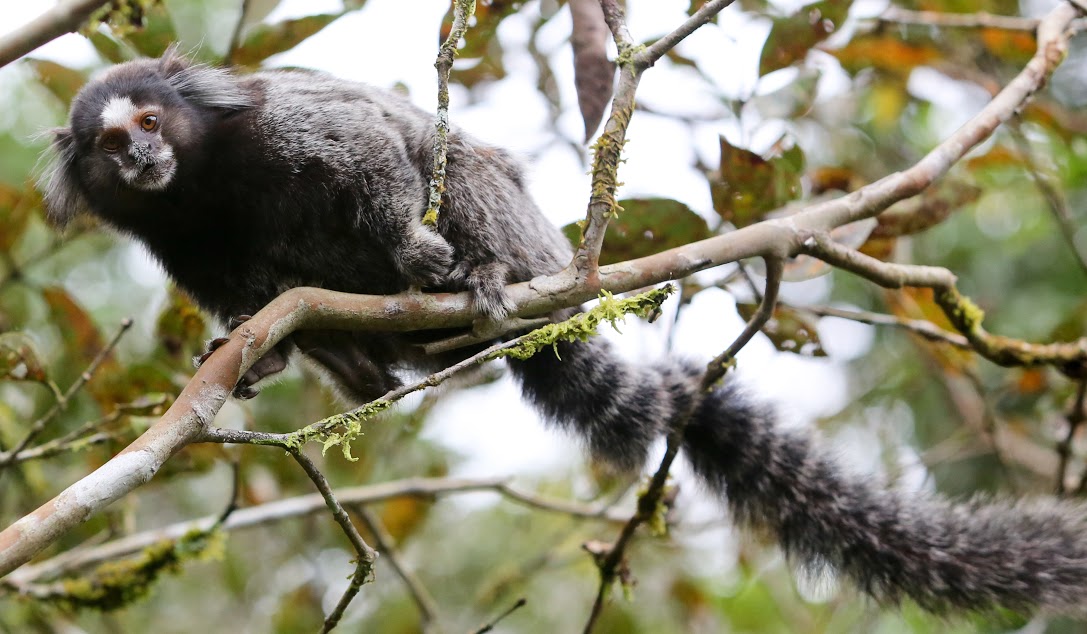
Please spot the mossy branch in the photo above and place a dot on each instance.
(340, 430)
(113, 585)
(447, 52)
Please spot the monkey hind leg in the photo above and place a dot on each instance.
(358, 365)
(487, 284)
(273, 362)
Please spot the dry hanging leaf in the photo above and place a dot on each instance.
(593, 71)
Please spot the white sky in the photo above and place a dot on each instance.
(491, 426)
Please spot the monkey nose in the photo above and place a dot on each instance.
(141, 153)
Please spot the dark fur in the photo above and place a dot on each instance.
(290, 178)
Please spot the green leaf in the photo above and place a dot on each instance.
(788, 330)
(646, 226)
(156, 35)
(793, 36)
(108, 46)
(60, 80)
(266, 40)
(19, 359)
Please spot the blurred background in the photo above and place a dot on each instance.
(774, 103)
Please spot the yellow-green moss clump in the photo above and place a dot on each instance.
(115, 584)
(348, 426)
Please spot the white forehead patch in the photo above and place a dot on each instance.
(119, 113)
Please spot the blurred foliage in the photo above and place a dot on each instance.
(844, 101)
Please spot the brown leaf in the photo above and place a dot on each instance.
(886, 52)
(80, 335)
(594, 73)
(788, 330)
(19, 361)
(14, 214)
(746, 185)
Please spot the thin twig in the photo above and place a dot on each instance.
(608, 148)
(55, 448)
(1075, 417)
(1054, 198)
(978, 20)
(963, 314)
(926, 329)
(428, 608)
(716, 369)
(8, 457)
(463, 10)
(611, 561)
(704, 14)
(303, 505)
(366, 556)
(520, 603)
(82, 436)
(236, 37)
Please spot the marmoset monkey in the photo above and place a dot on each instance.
(243, 186)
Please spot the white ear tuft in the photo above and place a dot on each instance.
(63, 198)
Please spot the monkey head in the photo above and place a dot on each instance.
(131, 130)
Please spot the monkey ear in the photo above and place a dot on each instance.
(201, 84)
(173, 61)
(58, 183)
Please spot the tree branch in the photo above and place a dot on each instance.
(9, 457)
(280, 510)
(308, 308)
(428, 608)
(447, 52)
(612, 560)
(367, 556)
(64, 18)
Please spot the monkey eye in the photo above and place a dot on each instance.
(149, 122)
(111, 142)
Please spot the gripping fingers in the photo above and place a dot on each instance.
(211, 346)
(237, 320)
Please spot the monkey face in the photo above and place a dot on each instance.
(132, 139)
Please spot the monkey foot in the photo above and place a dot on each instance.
(214, 344)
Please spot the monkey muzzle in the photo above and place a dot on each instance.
(149, 167)
(141, 154)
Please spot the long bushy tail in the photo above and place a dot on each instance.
(971, 556)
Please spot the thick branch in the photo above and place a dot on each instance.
(64, 18)
(302, 308)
